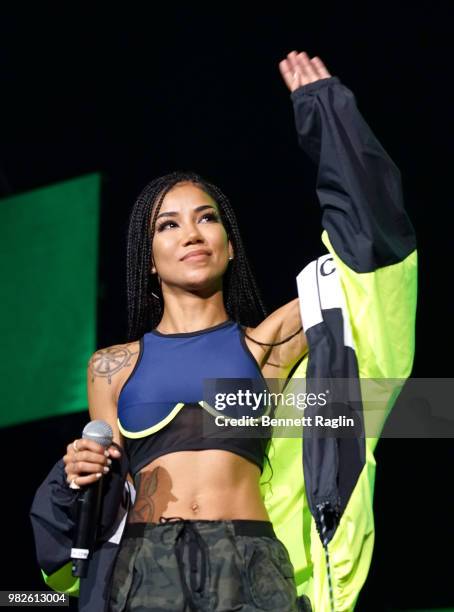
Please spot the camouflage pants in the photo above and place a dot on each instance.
(213, 566)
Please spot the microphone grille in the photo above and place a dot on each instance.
(98, 431)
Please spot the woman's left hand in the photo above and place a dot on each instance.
(298, 70)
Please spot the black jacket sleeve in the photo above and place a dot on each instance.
(358, 184)
(54, 507)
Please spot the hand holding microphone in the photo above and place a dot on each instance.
(86, 461)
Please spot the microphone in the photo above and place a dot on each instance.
(88, 504)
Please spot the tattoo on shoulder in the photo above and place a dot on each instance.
(107, 362)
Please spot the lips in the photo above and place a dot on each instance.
(196, 254)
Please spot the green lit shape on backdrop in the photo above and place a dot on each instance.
(48, 276)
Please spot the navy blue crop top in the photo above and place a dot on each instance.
(168, 402)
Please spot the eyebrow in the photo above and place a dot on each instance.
(172, 213)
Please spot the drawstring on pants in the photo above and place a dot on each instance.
(188, 533)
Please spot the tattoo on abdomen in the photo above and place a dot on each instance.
(107, 362)
(146, 484)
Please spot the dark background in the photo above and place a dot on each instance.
(137, 92)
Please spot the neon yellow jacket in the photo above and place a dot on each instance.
(358, 306)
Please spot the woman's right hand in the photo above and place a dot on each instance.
(86, 461)
(298, 69)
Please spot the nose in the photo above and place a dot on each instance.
(192, 235)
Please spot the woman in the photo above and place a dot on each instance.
(199, 535)
(202, 282)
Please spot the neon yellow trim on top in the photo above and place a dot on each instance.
(151, 430)
(172, 414)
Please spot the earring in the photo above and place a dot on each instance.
(230, 258)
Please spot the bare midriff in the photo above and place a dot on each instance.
(198, 485)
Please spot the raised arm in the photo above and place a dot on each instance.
(358, 185)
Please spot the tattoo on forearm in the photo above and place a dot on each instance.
(107, 362)
(144, 506)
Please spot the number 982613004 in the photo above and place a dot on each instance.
(33, 598)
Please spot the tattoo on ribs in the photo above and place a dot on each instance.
(146, 484)
(107, 362)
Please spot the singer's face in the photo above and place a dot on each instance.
(190, 248)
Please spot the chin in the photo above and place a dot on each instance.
(199, 282)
